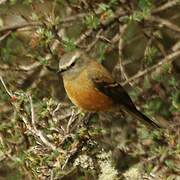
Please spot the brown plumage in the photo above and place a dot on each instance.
(92, 88)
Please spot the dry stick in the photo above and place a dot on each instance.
(12, 28)
(73, 18)
(174, 17)
(5, 35)
(113, 41)
(32, 113)
(53, 10)
(163, 61)
(6, 67)
(167, 5)
(103, 38)
(54, 112)
(163, 22)
(83, 36)
(30, 67)
(10, 94)
(90, 46)
(52, 175)
(71, 120)
(65, 163)
(122, 30)
(176, 46)
(62, 117)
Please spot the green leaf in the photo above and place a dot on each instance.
(113, 3)
(92, 21)
(149, 168)
(176, 99)
(165, 67)
(144, 5)
(173, 82)
(150, 53)
(68, 45)
(103, 7)
(102, 51)
(136, 16)
(170, 163)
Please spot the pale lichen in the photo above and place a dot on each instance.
(84, 161)
(108, 172)
(133, 174)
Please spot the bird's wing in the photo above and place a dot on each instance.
(116, 92)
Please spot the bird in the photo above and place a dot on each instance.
(91, 87)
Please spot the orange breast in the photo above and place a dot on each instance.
(85, 96)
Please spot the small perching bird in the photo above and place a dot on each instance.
(92, 88)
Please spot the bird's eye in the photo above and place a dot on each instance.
(73, 64)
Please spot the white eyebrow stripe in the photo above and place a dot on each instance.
(66, 65)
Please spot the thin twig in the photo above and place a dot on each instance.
(163, 22)
(73, 18)
(169, 57)
(52, 175)
(71, 120)
(6, 67)
(122, 30)
(5, 35)
(10, 94)
(83, 36)
(55, 110)
(176, 46)
(165, 6)
(95, 41)
(30, 67)
(32, 112)
(65, 163)
(18, 26)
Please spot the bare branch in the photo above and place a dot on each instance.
(71, 120)
(163, 22)
(32, 112)
(18, 26)
(176, 46)
(73, 18)
(83, 36)
(122, 30)
(167, 5)
(5, 35)
(95, 41)
(10, 94)
(169, 57)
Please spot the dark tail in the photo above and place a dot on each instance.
(140, 116)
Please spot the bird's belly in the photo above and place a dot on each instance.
(86, 97)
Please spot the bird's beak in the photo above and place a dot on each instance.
(61, 70)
